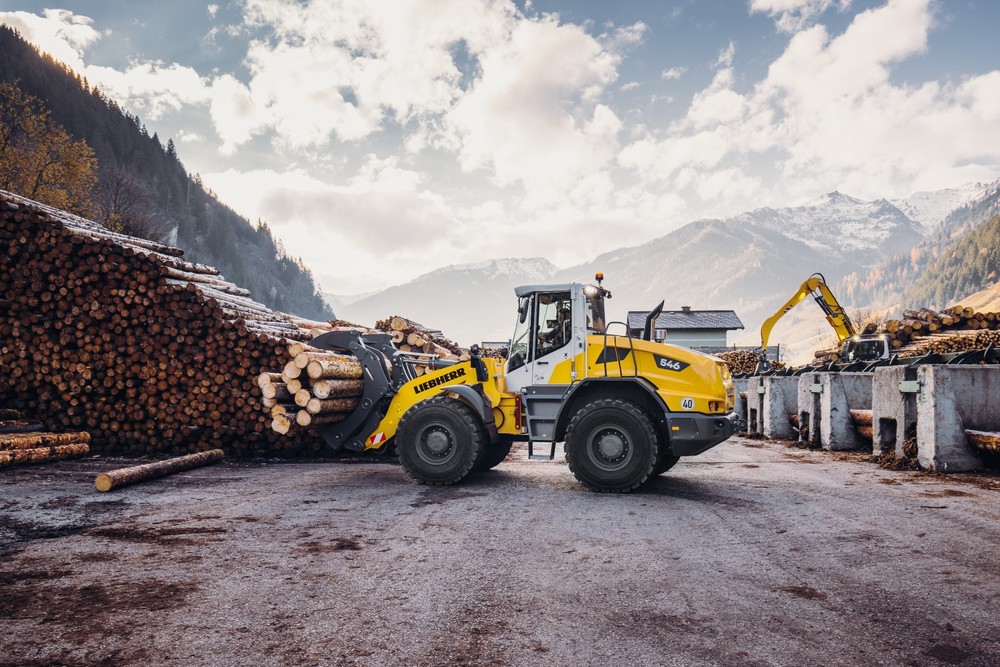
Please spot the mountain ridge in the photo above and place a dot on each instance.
(750, 262)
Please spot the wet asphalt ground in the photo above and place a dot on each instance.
(754, 553)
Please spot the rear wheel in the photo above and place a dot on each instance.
(440, 441)
(611, 446)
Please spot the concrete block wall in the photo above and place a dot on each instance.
(809, 408)
(931, 409)
(740, 385)
(952, 399)
(894, 413)
(769, 402)
(825, 401)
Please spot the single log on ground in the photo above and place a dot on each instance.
(125, 476)
(864, 431)
(42, 454)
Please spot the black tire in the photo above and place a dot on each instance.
(495, 455)
(440, 441)
(665, 461)
(611, 446)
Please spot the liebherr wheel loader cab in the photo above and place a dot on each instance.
(626, 408)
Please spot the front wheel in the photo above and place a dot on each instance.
(665, 462)
(611, 446)
(440, 441)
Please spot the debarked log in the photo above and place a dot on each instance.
(125, 476)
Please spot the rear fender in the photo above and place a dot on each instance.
(635, 389)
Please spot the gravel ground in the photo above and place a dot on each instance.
(752, 554)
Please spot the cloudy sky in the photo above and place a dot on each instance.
(383, 139)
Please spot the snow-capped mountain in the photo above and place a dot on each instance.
(751, 263)
(931, 208)
(839, 225)
(470, 303)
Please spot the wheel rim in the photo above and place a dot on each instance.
(435, 443)
(609, 448)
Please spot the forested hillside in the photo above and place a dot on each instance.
(895, 278)
(143, 188)
(968, 265)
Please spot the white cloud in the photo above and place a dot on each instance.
(828, 115)
(531, 116)
(58, 32)
(373, 223)
(152, 87)
(793, 15)
(509, 123)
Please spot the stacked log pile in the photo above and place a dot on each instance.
(314, 387)
(955, 329)
(744, 362)
(409, 336)
(123, 338)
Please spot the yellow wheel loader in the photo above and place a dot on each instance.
(626, 408)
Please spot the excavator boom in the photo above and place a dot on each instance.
(816, 287)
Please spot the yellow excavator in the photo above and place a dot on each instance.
(626, 408)
(854, 345)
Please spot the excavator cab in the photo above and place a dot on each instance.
(866, 347)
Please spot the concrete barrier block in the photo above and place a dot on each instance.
(780, 398)
(755, 404)
(840, 393)
(740, 385)
(808, 408)
(952, 399)
(894, 412)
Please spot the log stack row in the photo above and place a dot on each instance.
(21, 442)
(918, 324)
(954, 329)
(123, 338)
(314, 387)
(409, 336)
(743, 362)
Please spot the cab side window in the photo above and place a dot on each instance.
(553, 323)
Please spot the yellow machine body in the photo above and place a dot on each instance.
(686, 382)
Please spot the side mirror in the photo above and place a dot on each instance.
(522, 310)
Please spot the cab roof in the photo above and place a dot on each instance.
(525, 290)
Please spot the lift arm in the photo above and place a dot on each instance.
(815, 287)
